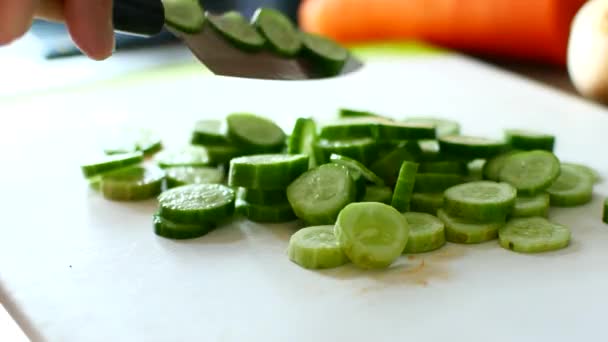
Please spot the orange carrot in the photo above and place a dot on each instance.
(528, 29)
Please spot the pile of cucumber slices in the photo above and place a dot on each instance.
(268, 30)
(368, 188)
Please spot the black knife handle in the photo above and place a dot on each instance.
(138, 17)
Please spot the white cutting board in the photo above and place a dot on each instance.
(75, 267)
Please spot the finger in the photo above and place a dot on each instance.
(51, 10)
(90, 25)
(15, 18)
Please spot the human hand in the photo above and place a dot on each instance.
(89, 22)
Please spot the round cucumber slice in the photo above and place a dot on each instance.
(235, 29)
(533, 235)
(351, 128)
(264, 197)
(405, 186)
(571, 188)
(255, 132)
(491, 169)
(275, 213)
(427, 233)
(210, 132)
(584, 168)
(194, 156)
(529, 206)
(372, 235)
(184, 15)
(436, 182)
(328, 56)
(266, 171)
(443, 127)
(390, 130)
(316, 248)
(108, 163)
(388, 166)
(302, 138)
(530, 172)
(448, 166)
(280, 33)
(529, 140)
(354, 113)
(482, 201)
(355, 166)
(130, 140)
(133, 183)
(471, 147)
(427, 202)
(381, 194)
(180, 231)
(362, 150)
(467, 231)
(318, 195)
(197, 203)
(222, 154)
(178, 176)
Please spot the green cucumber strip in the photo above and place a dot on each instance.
(194, 156)
(405, 186)
(475, 170)
(571, 188)
(381, 194)
(467, 231)
(471, 147)
(530, 172)
(275, 213)
(133, 140)
(302, 138)
(390, 130)
(184, 175)
(108, 163)
(262, 197)
(427, 233)
(448, 166)
(533, 235)
(528, 140)
(443, 127)
(326, 55)
(372, 235)
(197, 203)
(436, 182)
(363, 149)
(222, 154)
(388, 166)
(316, 248)
(235, 29)
(352, 128)
(482, 201)
(210, 132)
(318, 195)
(492, 167)
(356, 166)
(360, 183)
(529, 206)
(605, 211)
(583, 168)
(255, 132)
(426, 202)
(179, 231)
(266, 171)
(134, 183)
(353, 113)
(184, 15)
(280, 33)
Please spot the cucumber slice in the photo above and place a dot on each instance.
(197, 203)
(448, 166)
(427, 233)
(316, 248)
(108, 163)
(184, 15)
(372, 235)
(362, 150)
(210, 132)
(353, 113)
(467, 231)
(388, 131)
(492, 167)
(133, 183)
(475, 170)
(318, 195)
(405, 186)
(327, 56)
(529, 206)
(275, 213)
(178, 176)
(471, 147)
(222, 154)
(530, 172)
(194, 156)
(586, 169)
(266, 171)
(255, 133)
(352, 128)
(235, 29)
(302, 138)
(356, 166)
(180, 231)
(360, 183)
(261, 197)
(426, 202)
(133, 140)
(605, 211)
(529, 140)
(280, 33)
(436, 182)
(571, 188)
(443, 127)
(533, 235)
(481, 201)
(388, 167)
(381, 194)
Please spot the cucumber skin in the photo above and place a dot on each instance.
(426, 203)
(605, 212)
(402, 194)
(168, 229)
(489, 212)
(529, 143)
(267, 213)
(436, 182)
(266, 176)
